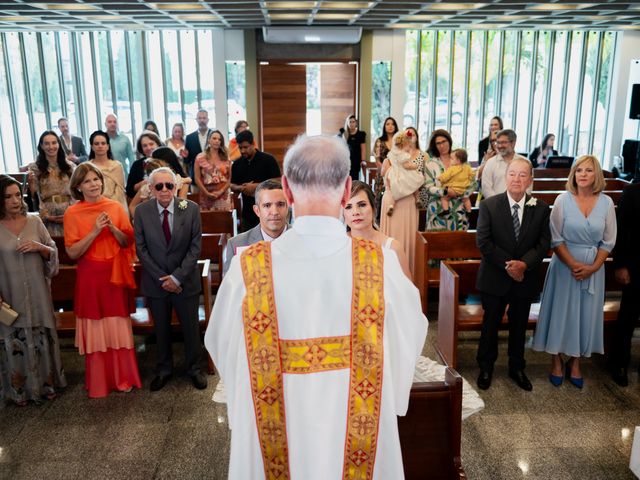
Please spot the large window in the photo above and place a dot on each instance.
(138, 75)
(380, 95)
(538, 82)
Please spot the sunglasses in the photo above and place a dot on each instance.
(168, 185)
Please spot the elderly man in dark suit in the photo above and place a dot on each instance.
(168, 239)
(626, 260)
(272, 210)
(513, 236)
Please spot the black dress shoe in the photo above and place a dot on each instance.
(159, 382)
(199, 381)
(619, 376)
(484, 380)
(521, 379)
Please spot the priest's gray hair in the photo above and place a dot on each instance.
(317, 166)
(157, 171)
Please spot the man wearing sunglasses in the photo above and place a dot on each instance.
(168, 240)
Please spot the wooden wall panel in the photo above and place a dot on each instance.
(283, 102)
(337, 95)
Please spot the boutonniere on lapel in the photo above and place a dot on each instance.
(182, 205)
(533, 201)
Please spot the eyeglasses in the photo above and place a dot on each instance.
(168, 185)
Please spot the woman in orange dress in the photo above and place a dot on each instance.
(98, 233)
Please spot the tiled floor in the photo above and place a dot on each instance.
(550, 433)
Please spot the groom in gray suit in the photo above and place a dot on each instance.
(272, 210)
(168, 239)
(513, 237)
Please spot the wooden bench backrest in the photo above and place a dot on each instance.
(430, 431)
(560, 173)
(219, 222)
(549, 197)
(213, 245)
(63, 257)
(545, 184)
(439, 246)
(467, 272)
(63, 293)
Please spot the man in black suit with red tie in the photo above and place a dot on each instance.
(513, 237)
(626, 260)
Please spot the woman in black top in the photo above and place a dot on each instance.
(147, 143)
(495, 125)
(542, 152)
(356, 141)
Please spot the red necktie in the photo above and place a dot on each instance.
(165, 226)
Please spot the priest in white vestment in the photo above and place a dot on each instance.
(320, 411)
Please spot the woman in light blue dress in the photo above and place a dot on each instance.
(583, 232)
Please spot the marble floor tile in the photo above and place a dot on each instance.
(179, 433)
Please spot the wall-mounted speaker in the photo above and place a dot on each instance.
(631, 156)
(634, 108)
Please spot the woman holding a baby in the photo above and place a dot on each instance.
(403, 173)
(448, 178)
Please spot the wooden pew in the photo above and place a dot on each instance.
(439, 246)
(213, 245)
(549, 184)
(220, 222)
(549, 197)
(559, 173)
(63, 291)
(458, 277)
(63, 257)
(430, 432)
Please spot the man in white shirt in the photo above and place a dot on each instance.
(272, 210)
(316, 336)
(494, 173)
(196, 142)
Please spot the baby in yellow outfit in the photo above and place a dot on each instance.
(458, 177)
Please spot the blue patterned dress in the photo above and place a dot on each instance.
(571, 311)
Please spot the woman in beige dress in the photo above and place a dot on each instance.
(403, 224)
(360, 214)
(30, 367)
(101, 156)
(49, 178)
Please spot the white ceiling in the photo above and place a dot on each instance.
(20, 15)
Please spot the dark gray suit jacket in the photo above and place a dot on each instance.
(77, 148)
(179, 258)
(496, 240)
(243, 240)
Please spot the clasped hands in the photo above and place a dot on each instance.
(169, 285)
(515, 269)
(582, 271)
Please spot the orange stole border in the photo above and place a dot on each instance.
(263, 354)
(365, 383)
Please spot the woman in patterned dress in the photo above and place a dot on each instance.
(30, 367)
(440, 159)
(213, 175)
(49, 178)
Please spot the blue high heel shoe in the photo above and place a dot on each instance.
(556, 380)
(576, 382)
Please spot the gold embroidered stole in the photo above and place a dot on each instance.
(269, 357)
